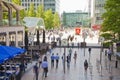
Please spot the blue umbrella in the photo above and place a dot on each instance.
(7, 52)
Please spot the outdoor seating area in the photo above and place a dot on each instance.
(9, 66)
(9, 71)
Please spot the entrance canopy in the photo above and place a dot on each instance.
(34, 22)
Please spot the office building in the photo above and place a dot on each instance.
(98, 11)
(75, 19)
(48, 4)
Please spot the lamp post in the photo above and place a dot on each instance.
(26, 38)
(43, 28)
(31, 39)
(38, 42)
(64, 43)
(101, 40)
(84, 37)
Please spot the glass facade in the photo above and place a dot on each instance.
(48, 4)
(99, 10)
(76, 19)
(52, 4)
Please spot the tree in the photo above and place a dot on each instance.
(56, 20)
(22, 12)
(31, 11)
(16, 2)
(48, 18)
(111, 19)
(40, 11)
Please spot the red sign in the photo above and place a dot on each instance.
(96, 27)
(77, 31)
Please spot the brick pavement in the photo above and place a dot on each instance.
(76, 71)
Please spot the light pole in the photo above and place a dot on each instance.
(31, 40)
(26, 38)
(38, 42)
(64, 43)
(101, 40)
(84, 37)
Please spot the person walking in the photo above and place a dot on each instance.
(57, 60)
(70, 53)
(68, 61)
(89, 50)
(40, 60)
(36, 71)
(44, 65)
(75, 56)
(109, 54)
(85, 65)
(52, 60)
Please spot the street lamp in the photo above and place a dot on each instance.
(101, 40)
(64, 43)
(84, 43)
(26, 38)
(38, 42)
(31, 39)
(42, 27)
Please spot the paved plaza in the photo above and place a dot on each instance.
(106, 71)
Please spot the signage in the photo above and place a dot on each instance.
(77, 31)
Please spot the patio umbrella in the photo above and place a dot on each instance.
(7, 52)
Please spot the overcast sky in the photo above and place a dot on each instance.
(73, 5)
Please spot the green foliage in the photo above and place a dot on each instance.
(107, 36)
(16, 2)
(111, 18)
(22, 12)
(56, 20)
(40, 11)
(31, 11)
(107, 44)
(5, 15)
(48, 18)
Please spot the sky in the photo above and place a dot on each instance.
(73, 5)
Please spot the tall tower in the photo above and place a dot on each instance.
(89, 12)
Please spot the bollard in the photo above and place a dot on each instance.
(116, 64)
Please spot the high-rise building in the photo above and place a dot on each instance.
(48, 4)
(98, 11)
(75, 19)
(52, 4)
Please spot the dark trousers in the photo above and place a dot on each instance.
(57, 63)
(45, 72)
(36, 76)
(52, 63)
(109, 57)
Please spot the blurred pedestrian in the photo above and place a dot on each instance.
(89, 50)
(75, 56)
(105, 52)
(40, 60)
(85, 65)
(44, 65)
(68, 61)
(36, 71)
(70, 53)
(57, 60)
(52, 60)
(109, 54)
